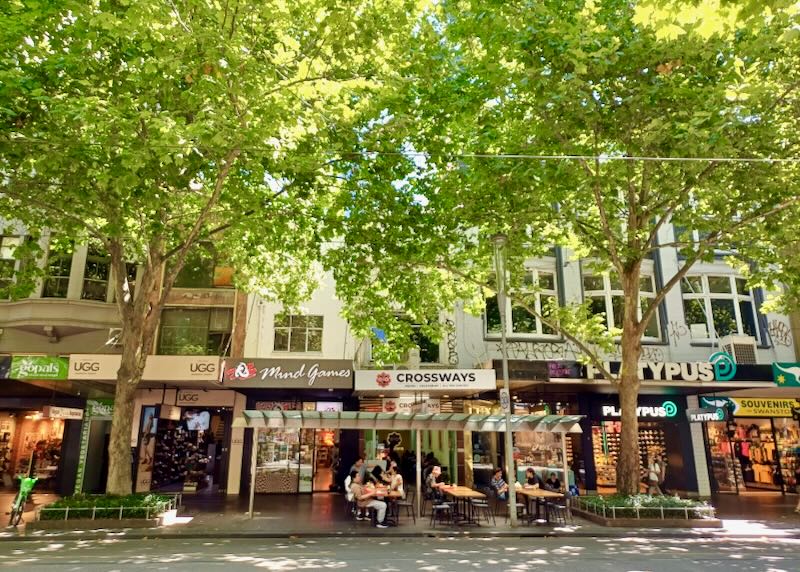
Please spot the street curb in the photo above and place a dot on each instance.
(432, 534)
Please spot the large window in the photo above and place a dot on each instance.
(8, 244)
(428, 347)
(539, 288)
(716, 306)
(202, 270)
(605, 295)
(205, 331)
(59, 266)
(295, 333)
(95, 274)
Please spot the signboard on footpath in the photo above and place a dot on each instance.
(426, 380)
(38, 368)
(96, 410)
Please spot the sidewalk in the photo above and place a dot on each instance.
(322, 515)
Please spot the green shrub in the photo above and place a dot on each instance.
(645, 506)
(106, 506)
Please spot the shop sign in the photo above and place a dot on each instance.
(753, 406)
(665, 410)
(54, 412)
(38, 367)
(199, 397)
(100, 408)
(411, 405)
(703, 414)
(287, 373)
(157, 368)
(426, 380)
(786, 374)
(722, 368)
(5, 366)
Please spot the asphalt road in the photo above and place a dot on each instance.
(590, 555)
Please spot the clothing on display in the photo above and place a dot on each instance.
(606, 446)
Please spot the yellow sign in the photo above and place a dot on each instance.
(754, 406)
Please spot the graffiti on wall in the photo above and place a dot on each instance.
(452, 351)
(676, 331)
(567, 351)
(780, 333)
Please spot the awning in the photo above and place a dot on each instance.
(420, 421)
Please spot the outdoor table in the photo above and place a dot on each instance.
(462, 496)
(538, 495)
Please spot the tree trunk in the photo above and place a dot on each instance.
(138, 332)
(628, 469)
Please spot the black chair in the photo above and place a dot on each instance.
(441, 512)
(482, 508)
(560, 510)
(408, 504)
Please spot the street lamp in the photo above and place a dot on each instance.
(499, 241)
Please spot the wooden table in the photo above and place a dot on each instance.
(538, 495)
(463, 495)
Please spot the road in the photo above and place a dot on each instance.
(387, 555)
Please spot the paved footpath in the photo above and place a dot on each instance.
(621, 554)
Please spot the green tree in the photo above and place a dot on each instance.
(567, 123)
(154, 125)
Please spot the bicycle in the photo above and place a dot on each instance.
(26, 485)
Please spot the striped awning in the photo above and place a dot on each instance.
(419, 421)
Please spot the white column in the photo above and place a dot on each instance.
(699, 451)
(236, 449)
(253, 459)
(419, 472)
(75, 288)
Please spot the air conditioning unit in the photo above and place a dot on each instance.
(743, 349)
(114, 337)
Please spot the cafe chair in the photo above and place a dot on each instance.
(441, 513)
(482, 508)
(408, 504)
(560, 511)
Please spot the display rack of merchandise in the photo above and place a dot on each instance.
(606, 445)
(788, 444)
(171, 451)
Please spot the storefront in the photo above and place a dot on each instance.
(181, 434)
(39, 423)
(292, 460)
(753, 445)
(430, 391)
(663, 431)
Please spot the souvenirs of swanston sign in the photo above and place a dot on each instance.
(288, 373)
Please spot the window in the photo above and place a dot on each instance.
(202, 270)
(540, 285)
(8, 244)
(298, 333)
(716, 306)
(605, 296)
(428, 348)
(205, 331)
(59, 266)
(95, 274)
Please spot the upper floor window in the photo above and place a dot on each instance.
(294, 333)
(195, 331)
(716, 306)
(8, 244)
(540, 288)
(95, 274)
(59, 266)
(605, 295)
(202, 270)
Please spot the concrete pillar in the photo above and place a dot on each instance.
(75, 288)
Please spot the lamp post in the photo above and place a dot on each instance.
(499, 241)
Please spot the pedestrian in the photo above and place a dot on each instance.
(654, 474)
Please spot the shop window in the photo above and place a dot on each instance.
(539, 287)
(605, 296)
(195, 331)
(8, 244)
(95, 274)
(716, 306)
(59, 266)
(295, 333)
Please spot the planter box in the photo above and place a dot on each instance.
(89, 524)
(645, 523)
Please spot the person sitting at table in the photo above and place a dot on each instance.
(532, 480)
(395, 479)
(432, 485)
(379, 477)
(366, 499)
(499, 484)
(552, 483)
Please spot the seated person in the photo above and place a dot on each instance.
(532, 480)
(499, 484)
(366, 499)
(395, 479)
(347, 482)
(378, 475)
(552, 483)
(433, 488)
